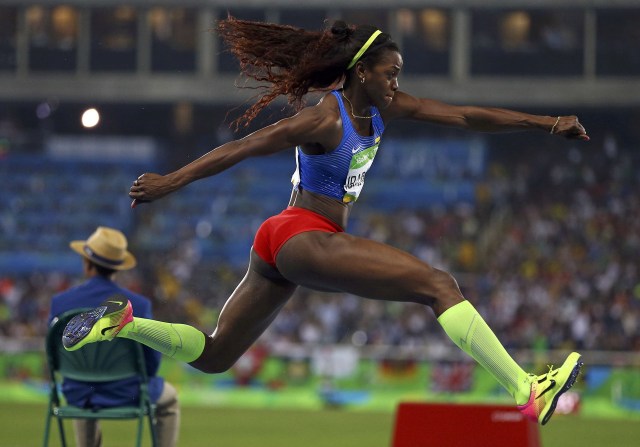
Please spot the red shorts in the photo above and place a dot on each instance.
(278, 229)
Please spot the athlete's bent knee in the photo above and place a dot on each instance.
(212, 360)
(444, 281)
(445, 290)
(212, 366)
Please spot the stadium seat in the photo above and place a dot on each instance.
(98, 362)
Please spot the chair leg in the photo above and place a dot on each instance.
(152, 430)
(139, 436)
(47, 425)
(63, 439)
(47, 429)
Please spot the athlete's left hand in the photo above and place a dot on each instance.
(570, 127)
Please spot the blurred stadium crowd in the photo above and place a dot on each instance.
(544, 239)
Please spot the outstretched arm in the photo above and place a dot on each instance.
(482, 119)
(302, 128)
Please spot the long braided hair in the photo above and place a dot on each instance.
(291, 61)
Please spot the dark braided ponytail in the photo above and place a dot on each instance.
(291, 61)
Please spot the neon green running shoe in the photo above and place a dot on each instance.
(100, 324)
(547, 389)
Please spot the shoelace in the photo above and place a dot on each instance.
(543, 376)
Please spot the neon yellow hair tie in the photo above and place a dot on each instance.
(364, 48)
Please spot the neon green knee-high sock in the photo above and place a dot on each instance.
(179, 341)
(464, 325)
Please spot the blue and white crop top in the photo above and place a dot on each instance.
(340, 173)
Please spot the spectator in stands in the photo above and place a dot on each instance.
(306, 245)
(105, 253)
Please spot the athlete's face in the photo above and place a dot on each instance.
(381, 81)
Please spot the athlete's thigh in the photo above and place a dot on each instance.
(344, 263)
(250, 309)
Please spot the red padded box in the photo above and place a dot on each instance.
(462, 425)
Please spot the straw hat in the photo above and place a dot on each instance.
(106, 247)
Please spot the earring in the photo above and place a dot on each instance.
(362, 80)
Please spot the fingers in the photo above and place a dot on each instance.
(138, 181)
(580, 132)
(136, 202)
(578, 136)
(570, 127)
(136, 192)
(146, 188)
(136, 188)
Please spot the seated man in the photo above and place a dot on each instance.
(103, 255)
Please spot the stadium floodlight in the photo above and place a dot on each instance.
(90, 118)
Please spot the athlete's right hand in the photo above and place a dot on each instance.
(149, 187)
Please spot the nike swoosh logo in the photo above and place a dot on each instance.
(353, 151)
(120, 303)
(551, 385)
(108, 329)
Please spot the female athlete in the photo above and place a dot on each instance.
(306, 245)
